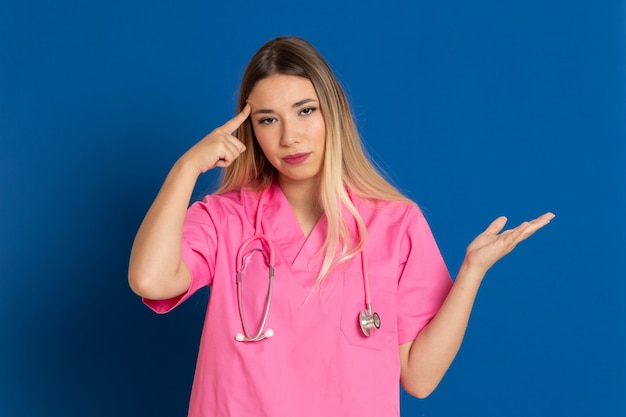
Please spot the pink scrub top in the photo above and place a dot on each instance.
(318, 363)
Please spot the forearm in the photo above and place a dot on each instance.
(436, 346)
(156, 269)
(426, 359)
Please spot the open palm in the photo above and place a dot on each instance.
(492, 244)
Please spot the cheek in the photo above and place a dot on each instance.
(264, 142)
(320, 132)
(258, 136)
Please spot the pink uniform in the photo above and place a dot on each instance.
(318, 363)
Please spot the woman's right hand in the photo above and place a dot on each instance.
(156, 269)
(219, 148)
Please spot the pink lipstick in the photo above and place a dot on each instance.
(296, 158)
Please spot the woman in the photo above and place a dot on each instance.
(328, 289)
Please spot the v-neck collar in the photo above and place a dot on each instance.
(280, 224)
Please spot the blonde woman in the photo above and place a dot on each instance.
(328, 289)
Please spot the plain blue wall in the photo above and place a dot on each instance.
(475, 109)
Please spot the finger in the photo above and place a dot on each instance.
(222, 163)
(236, 144)
(543, 219)
(527, 229)
(234, 123)
(537, 224)
(495, 226)
(226, 160)
(231, 151)
(516, 235)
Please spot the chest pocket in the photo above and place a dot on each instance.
(384, 302)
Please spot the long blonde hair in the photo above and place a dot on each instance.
(346, 166)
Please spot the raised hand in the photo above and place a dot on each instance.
(156, 269)
(219, 148)
(492, 244)
(425, 360)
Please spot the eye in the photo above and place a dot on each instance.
(266, 121)
(308, 111)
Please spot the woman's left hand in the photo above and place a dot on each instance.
(425, 360)
(491, 245)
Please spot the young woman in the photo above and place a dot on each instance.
(328, 289)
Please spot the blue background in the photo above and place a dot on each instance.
(474, 109)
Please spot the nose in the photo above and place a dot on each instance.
(288, 135)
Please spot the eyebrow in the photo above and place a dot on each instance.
(295, 106)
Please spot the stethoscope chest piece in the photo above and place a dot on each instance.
(368, 320)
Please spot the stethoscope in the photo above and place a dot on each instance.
(368, 319)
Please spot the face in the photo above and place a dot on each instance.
(289, 126)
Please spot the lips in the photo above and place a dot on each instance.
(296, 158)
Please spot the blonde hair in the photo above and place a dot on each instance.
(346, 168)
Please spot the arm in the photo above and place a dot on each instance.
(425, 360)
(156, 270)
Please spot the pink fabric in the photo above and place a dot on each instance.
(318, 363)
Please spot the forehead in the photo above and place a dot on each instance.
(281, 90)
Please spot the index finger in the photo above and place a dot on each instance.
(527, 229)
(234, 123)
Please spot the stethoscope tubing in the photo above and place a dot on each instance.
(367, 318)
(241, 261)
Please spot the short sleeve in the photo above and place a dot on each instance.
(199, 246)
(424, 280)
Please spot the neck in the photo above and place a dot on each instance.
(303, 199)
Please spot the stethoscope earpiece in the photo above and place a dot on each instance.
(368, 320)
